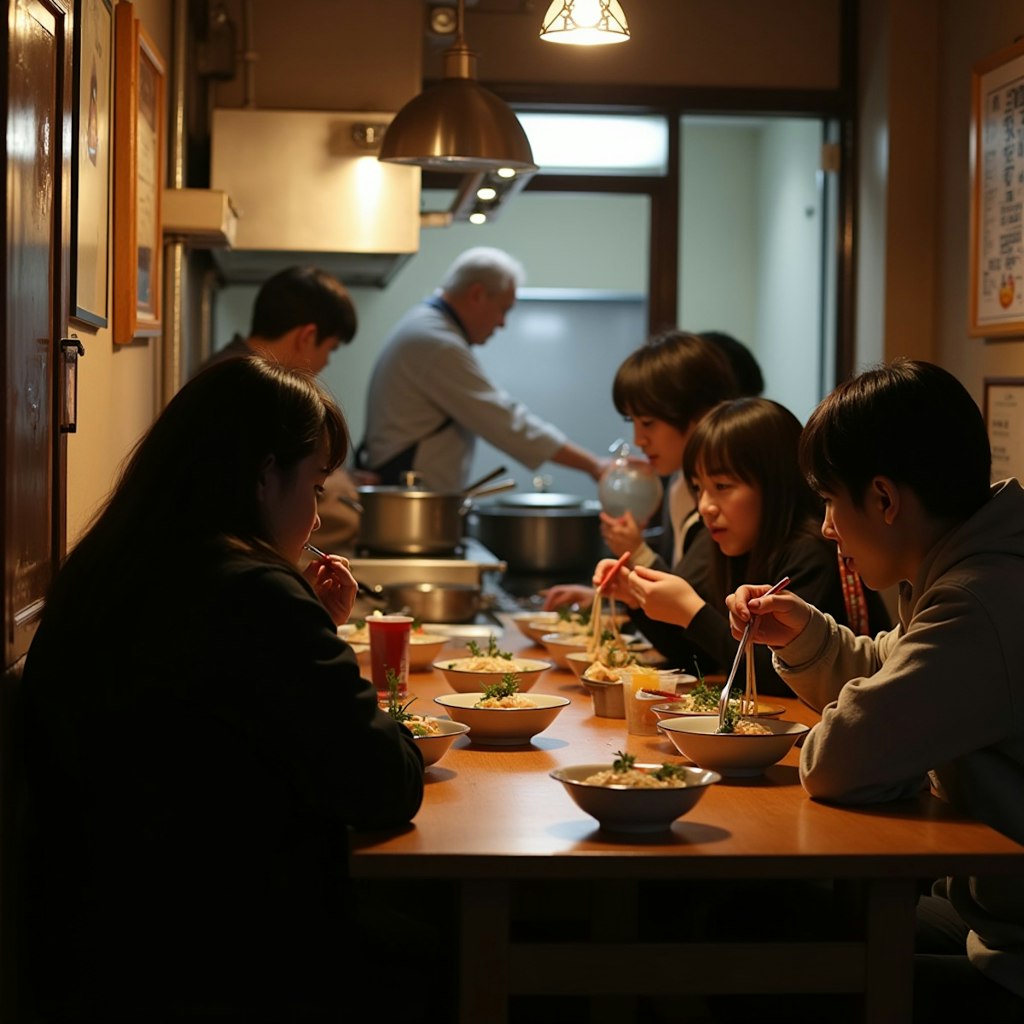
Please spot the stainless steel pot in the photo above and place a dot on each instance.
(410, 520)
(540, 532)
(435, 602)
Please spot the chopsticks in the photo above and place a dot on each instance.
(660, 693)
(723, 700)
(619, 563)
(313, 550)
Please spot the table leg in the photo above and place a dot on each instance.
(889, 932)
(483, 980)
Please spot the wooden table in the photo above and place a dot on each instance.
(492, 818)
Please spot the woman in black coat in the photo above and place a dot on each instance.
(198, 739)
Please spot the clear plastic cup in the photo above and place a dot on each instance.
(640, 719)
(389, 649)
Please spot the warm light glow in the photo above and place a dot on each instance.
(506, 172)
(585, 23)
(486, 193)
(627, 144)
(478, 218)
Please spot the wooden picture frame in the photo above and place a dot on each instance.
(90, 164)
(1004, 421)
(997, 195)
(139, 90)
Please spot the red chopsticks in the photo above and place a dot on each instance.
(606, 579)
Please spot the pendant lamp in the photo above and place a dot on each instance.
(585, 23)
(457, 124)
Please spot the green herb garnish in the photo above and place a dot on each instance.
(397, 710)
(492, 649)
(730, 718)
(623, 762)
(704, 697)
(508, 686)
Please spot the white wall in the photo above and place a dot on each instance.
(789, 334)
(751, 247)
(565, 241)
(719, 228)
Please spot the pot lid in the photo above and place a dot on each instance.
(535, 500)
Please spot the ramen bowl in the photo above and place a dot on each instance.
(502, 726)
(631, 809)
(463, 679)
(435, 746)
(729, 753)
(533, 625)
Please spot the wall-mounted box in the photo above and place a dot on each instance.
(203, 217)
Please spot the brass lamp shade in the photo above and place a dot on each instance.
(457, 125)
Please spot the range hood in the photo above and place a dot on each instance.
(308, 188)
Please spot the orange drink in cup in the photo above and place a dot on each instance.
(640, 720)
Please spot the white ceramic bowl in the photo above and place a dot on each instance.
(731, 754)
(434, 747)
(465, 680)
(502, 726)
(561, 645)
(533, 625)
(423, 649)
(627, 809)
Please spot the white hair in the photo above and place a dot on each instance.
(495, 269)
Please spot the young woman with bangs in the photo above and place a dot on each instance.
(761, 521)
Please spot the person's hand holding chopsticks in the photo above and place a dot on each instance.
(331, 578)
(664, 596)
(780, 618)
(610, 579)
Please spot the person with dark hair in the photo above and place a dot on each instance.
(302, 315)
(664, 387)
(745, 367)
(197, 737)
(901, 456)
(429, 398)
(760, 521)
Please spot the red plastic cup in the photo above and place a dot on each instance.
(389, 649)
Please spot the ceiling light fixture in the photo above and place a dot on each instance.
(457, 125)
(585, 23)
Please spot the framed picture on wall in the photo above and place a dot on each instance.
(139, 87)
(90, 173)
(1004, 420)
(997, 195)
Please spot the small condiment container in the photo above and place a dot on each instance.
(608, 698)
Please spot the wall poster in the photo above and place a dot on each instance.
(1004, 419)
(90, 190)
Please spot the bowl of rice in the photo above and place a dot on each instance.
(628, 797)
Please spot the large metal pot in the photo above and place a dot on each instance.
(435, 602)
(410, 520)
(540, 532)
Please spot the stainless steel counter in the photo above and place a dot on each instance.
(467, 565)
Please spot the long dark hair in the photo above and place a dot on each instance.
(192, 479)
(756, 440)
(675, 377)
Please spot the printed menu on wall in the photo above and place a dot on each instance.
(997, 169)
(1004, 418)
